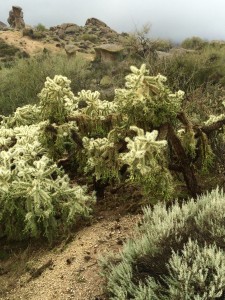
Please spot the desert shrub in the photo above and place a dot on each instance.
(38, 35)
(8, 54)
(89, 37)
(177, 253)
(139, 45)
(194, 43)
(27, 77)
(163, 45)
(189, 71)
(7, 50)
(27, 31)
(40, 27)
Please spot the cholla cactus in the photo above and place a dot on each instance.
(96, 108)
(57, 139)
(36, 197)
(102, 156)
(213, 119)
(56, 99)
(147, 99)
(25, 115)
(146, 161)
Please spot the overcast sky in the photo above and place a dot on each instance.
(173, 19)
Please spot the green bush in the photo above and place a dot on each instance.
(21, 83)
(38, 35)
(194, 43)
(40, 27)
(27, 31)
(189, 71)
(178, 253)
(89, 37)
(7, 50)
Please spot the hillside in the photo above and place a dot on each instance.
(33, 41)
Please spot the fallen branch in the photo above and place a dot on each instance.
(37, 272)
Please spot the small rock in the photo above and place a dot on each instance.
(87, 257)
(69, 260)
(119, 241)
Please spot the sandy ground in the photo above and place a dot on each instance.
(27, 44)
(73, 270)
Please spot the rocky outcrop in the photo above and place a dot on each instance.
(15, 18)
(95, 22)
(65, 29)
(94, 33)
(71, 50)
(109, 52)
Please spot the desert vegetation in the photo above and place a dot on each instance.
(70, 128)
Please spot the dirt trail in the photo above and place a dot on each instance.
(74, 271)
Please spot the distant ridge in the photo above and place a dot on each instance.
(2, 24)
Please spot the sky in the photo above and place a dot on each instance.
(169, 19)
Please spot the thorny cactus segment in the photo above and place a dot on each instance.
(212, 119)
(56, 99)
(96, 108)
(25, 115)
(147, 162)
(102, 157)
(146, 98)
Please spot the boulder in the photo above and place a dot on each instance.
(106, 81)
(95, 22)
(15, 18)
(66, 28)
(108, 52)
(71, 50)
(72, 28)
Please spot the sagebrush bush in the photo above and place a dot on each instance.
(177, 253)
(194, 43)
(89, 37)
(189, 71)
(40, 27)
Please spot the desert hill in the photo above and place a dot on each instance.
(80, 39)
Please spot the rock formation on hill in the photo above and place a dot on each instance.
(92, 38)
(109, 52)
(15, 18)
(94, 33)
(95, 22)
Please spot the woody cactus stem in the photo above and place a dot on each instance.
(185, 162)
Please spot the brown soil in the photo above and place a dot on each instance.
(34, 47)
(69, 270)
(26, 44)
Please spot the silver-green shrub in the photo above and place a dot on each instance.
(178, 253)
